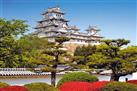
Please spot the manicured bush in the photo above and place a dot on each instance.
(40, 87)
(14, 88)
(97, 86)
(77, 76)
(132, 81)
(75, 86)
(3, 84)
(119, 86)
(83, 86)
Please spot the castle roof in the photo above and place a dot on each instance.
(90, 28)
(73, 28)
(54, 10)
(61, 19)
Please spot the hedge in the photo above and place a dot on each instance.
(3, 84)
(83, 86)
(77, 76)
(97, 86)
(119, 86)
(40, 87)
(75, 86)
(132, 81)
(14, 88)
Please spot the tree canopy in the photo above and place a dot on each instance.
(30, 48)
(12, 27)
(9, 29)
(110, 54)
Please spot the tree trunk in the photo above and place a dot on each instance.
(53, 73)
(53, 78)
(114, 77)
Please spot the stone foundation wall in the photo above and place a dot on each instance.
(72, 46)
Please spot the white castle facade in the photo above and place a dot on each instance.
(54, 25)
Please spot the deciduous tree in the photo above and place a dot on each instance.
(9, 30)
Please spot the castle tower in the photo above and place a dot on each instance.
(93, 30)
(54, 24)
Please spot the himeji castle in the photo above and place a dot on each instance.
(54, 25)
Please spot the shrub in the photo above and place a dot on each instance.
(97, 86)
(14, 88)
(40, 87)
(75, 86)
(132, 81)
(77, 76)
(119, 86)
(3, 84)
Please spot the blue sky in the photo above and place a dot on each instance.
(116, 18)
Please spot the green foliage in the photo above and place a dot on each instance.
(48, 69)
(3, 85)
(80, 56)
(119, 86)
(77, 76)
(129, 53)
(97, 60)
(79, 59)
(31, 48)
(9, 30)
(56, 52)
(110, 55)
(85, 50)
(119, 60)
(79, 62)
(7, 52)
(31, 42)
(40, 87)
(117, 42)
(62, 39)
(12, 27)
(24, 51)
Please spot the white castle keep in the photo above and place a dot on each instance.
(54, 25)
